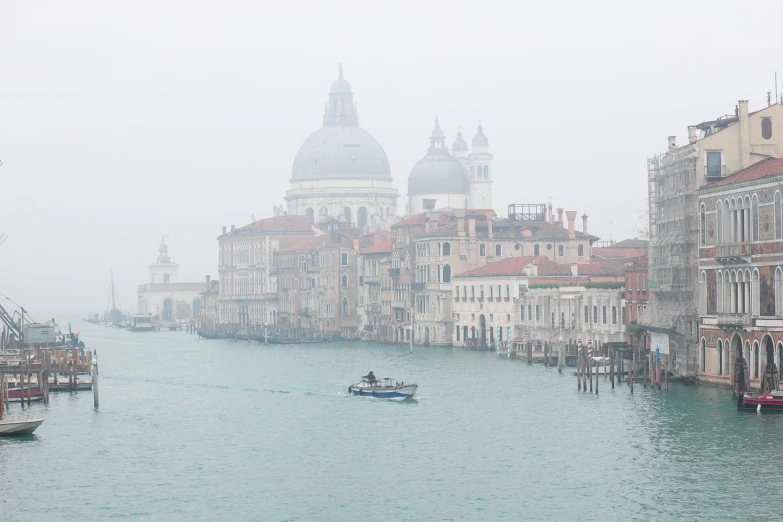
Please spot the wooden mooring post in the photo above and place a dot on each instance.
(666, 374)
(611, 365)
(578, 373)
(546, 354)
(96, 402)
(633, 369)
(530, 352)
(646, 360)
(596, 377)
(583, 356)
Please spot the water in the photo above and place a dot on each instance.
(192, 429)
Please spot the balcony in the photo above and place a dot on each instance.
(733, 253)
(399, 303)
(372, 280)
(735, 319)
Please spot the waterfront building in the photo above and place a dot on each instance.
(740, 272)
(209, 317)
(637, 295)
(430, 247)
(461, 180)
(540, 300)
(374, 286)
(318, 284)
(715, 149)
(163, 296)
(341, 171)
(248, 289)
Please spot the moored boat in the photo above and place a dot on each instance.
(382, 388)
(15, 394)
(771, 402)
(19, 426)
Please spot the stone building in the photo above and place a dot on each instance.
(715, 149)
(461, 180)
(540, 300)
(248, 290)
(164, 297)
(637, 293)
(210, 314)
(740, 272)
(375, 296)
(341, 171)
(318, 285)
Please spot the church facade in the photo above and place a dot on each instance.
(164, 297)
(341, 171)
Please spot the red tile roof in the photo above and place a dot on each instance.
(513, 266)
(418, 219)
(762, 169)
(381, 247)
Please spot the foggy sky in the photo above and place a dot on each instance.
(123, 121)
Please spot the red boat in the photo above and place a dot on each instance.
(771, 401)
(15, 394)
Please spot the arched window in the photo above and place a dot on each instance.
(347, 214)
(719, 240)
(778, 217)
(482, 250)
(345, 281)
(755, 211)
(345, 306)
(536, 250)
(703, 226)
(755, 359)
(766, 128)
(604, 314)
(595, 315)
(498, 250)
(486, 171)
(310, 213)
(720, 357)
(614, 315)
(560, 250)
(446, 273)
(580, 251)
(446, 249)
(362, 217)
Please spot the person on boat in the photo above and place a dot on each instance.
(370, 377)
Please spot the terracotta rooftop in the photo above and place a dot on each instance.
(763, 169)
(383, 244)
(277, 224)
(513, 266)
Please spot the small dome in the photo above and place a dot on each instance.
(340, 85)
(480, 139)
(438, 174)
(459, 145)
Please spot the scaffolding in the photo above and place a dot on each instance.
(673, 254)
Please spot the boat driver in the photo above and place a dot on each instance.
(370, 377)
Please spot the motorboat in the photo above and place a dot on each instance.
(16, 395)
(385, 388)
(11, 427)
(750, 401)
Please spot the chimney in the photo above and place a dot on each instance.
(571, 215)
(672, 142)
(574, 269)
(224, 230)
(693, 134)
(429, 205)
(472, 226)
(560, 217)
(584, 223)
(744, 134)
(489, 227)
(461, 226)
(232, 228)
(551, 215)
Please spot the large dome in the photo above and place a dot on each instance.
(438, 172)
(334, 152)
(340, 149)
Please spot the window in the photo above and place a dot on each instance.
(344, 258)
(446, 249)
(481, 292)
(560, 250)
(538, 314)
(447, 273)
(587, 314)
(580, 251)
(498, 250)
(482, 250)
(508, 292)
(361, 280)
(553, 319)
(529, 313)
(719, 240)
(490, 292)
(345, 306)
(623, 315)
(310, 213)
(703, 225)
(562, 319)
(604, 314)
(536, 250)
(457, 332)
(345, 281)
(714, 163)
(766, 128)
(362, 217)
(472, 292)
(347, 214)
(778, 216)
(595, 315)
(754, 209)
(614, 315)
(165, 278)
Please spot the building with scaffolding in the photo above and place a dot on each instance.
(715, 149)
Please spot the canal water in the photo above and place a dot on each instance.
(192, 429)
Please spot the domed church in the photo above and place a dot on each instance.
(458, 180)
(341, 171)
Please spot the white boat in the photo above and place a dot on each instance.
(604, 366)
(12, 427)
(369, 386)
